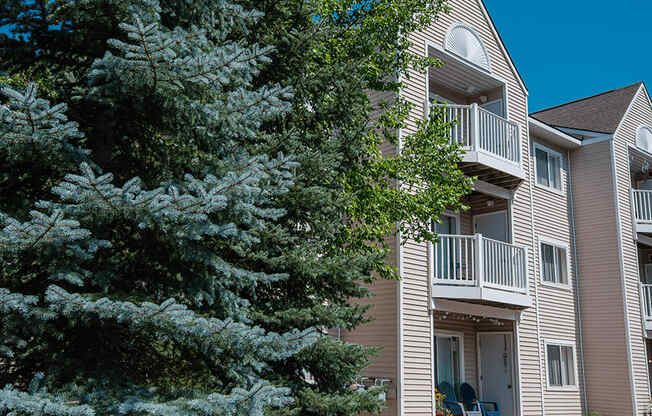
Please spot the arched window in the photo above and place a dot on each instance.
(464, 42)
(644, 138)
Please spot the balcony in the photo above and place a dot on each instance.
(492, 144)
(642, 201)
(481, 270)
(646, 298)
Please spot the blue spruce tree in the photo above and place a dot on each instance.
(120, 294)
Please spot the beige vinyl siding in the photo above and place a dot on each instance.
(557, 306)
(383, 330)
(639, 114)
(603, 328)
(416, 319)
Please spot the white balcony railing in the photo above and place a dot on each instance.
(473, 260)
(646, 298)
(642, 205)
(477, 129)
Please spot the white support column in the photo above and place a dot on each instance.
(479, 260)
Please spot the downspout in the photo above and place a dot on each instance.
(577, 280)
(399, 261)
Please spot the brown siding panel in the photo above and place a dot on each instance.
(600, 289)
(639, 114)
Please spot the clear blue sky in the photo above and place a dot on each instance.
(575, 48)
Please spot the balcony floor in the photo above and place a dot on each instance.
(482, 294)
(492, 169)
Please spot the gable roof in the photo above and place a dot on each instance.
(601, 113)
(503, 47)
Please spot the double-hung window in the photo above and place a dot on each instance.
(561, 365)
(554, 262)
(548, 167)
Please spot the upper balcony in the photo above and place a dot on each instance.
(476, 101)
(491, 142)
(478, 269)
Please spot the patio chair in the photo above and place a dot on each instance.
(470, 400)
(450, 402)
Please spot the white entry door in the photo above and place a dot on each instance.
(496, 371)
(492, 225)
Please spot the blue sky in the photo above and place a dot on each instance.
(575, 48)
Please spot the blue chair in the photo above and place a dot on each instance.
(450, 401)
(471, 401)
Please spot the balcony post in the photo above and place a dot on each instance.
(526, 289)
(633, 205)
(479, 260)
(475, 131)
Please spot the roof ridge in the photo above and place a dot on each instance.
(589, 97)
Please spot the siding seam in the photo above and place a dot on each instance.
(535, 254)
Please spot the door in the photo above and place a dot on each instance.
(444, 249)
(448, 356)
(492, 225)
(495, 107)
(496, 370)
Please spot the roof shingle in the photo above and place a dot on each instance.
(600, 113)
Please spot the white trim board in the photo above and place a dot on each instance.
(542, 130)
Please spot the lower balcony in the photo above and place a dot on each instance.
(478, 269)
(646, 298)
(642, 200)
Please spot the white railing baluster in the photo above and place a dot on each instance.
(473, 260)
(647, 300)
(642, 205)
(480, 130)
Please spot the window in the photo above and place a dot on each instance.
(464, 42)
(561, 365)
(554, 262)
(548, 167)
(644, 138)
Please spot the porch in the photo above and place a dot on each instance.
(480, 351)
(475, 259)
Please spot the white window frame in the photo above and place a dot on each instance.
(460, 337)
(560, 343)
(554, 153)
(638, 134)
(557, 244)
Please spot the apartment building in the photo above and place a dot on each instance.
(537, 295)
